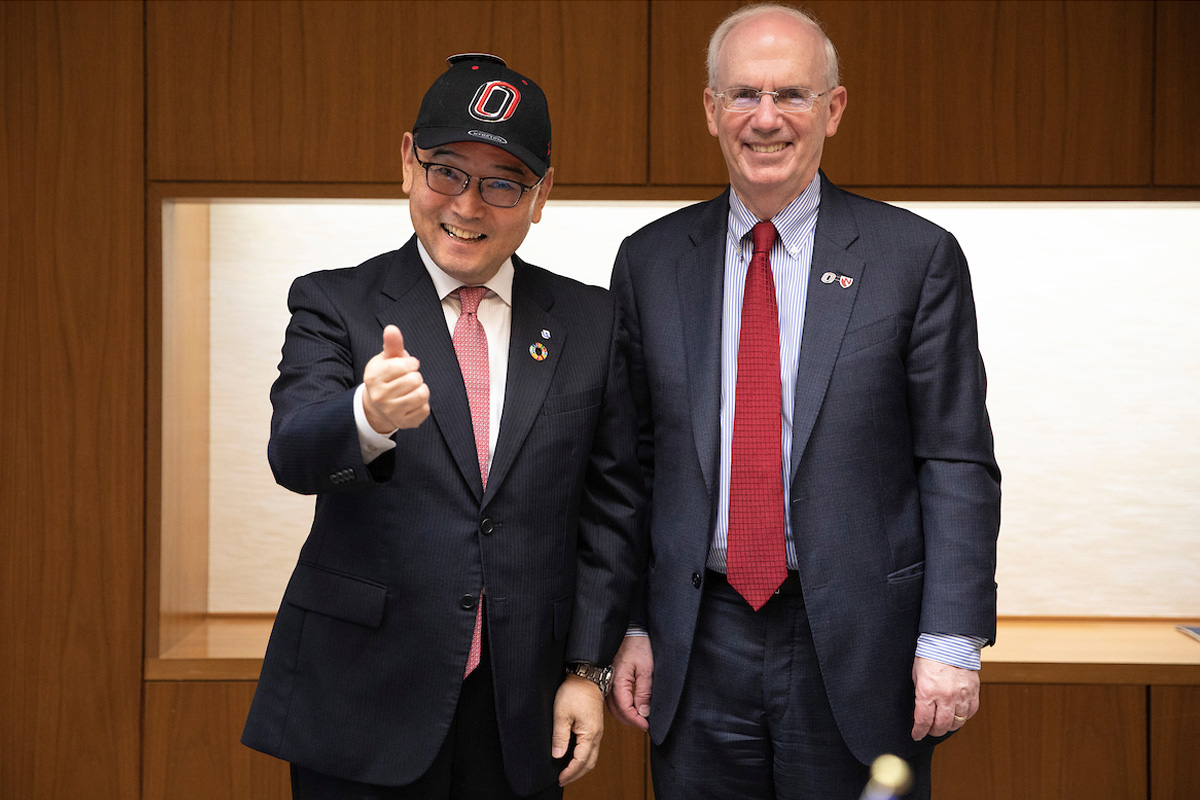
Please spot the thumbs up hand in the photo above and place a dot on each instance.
(396, 395)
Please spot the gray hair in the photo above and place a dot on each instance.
(832, 75)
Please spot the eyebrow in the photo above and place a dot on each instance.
(497, 167)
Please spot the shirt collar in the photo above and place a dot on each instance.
(791, 223)
(501, 283)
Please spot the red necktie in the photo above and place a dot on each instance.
(470, 345)
(756, 558)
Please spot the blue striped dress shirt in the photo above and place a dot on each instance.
(791, 262)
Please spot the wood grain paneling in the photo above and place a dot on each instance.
(1174, 742)
(681, 150)
(193, 750)
(622, 771)
(1048, 742)
(315, 91)
(72, 421)
(1177, 86)
(945, 93)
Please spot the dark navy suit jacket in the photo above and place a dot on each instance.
(366, 658)
(894, 494)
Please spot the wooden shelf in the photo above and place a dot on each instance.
(1092, 650)
(1028, 650)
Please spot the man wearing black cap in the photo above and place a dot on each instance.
(496, 539)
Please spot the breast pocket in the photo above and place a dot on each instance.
(869, 335)
(572, 401)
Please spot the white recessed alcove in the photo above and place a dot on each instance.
(1088, 326)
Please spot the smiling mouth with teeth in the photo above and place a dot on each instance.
(768, 148)
(459, 233)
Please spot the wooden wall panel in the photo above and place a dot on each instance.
(1174, 742)
(943, 93)
(314, 91)
(72, 419)
(623, 770)
(1177, 87)
(193, 750)
(1031, 741)
(682, 152)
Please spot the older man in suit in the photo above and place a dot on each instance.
(469, 435)
(824, 499)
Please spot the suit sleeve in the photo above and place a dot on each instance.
(957, 475)
(629, 326)
(611, 547)
(314, 446)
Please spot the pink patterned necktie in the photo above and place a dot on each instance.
(470, 345)
(756, 558)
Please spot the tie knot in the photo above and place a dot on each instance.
(470, 296)
(763, 235)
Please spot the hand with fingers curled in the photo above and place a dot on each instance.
(396, 395)
(578, 711)
(633, 671)
(946, 697)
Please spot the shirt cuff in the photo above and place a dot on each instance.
(372, 443)
(957, 651)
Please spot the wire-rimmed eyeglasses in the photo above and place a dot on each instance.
(452, 181)
(743, 98)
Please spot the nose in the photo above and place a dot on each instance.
(469, 204)
(766, 116)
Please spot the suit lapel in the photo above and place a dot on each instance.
(411, 304)
(528, 378)
(700, 273)
(826, 313)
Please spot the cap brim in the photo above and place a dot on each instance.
(428, 137)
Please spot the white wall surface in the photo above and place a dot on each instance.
(1088, 327)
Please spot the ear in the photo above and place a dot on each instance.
(837, 105)
(710, 109)
(543, 194)
(409, 163)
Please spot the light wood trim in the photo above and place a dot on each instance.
(1028, 650)
(183, 549)
(1032, 650)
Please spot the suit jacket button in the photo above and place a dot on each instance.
(467, 602)
(697, 579)
(486, 527)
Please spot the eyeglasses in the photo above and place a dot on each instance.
(451, 181)
(742, 98)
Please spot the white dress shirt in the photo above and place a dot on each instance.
(495, 315)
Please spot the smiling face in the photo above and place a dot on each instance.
(465, 236)
(772, 156)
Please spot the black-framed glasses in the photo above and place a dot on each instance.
(452, 181)
(742, 98)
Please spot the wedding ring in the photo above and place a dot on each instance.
(957, 718)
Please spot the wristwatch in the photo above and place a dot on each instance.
(601, 676)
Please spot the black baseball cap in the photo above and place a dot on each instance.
(479, 99)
